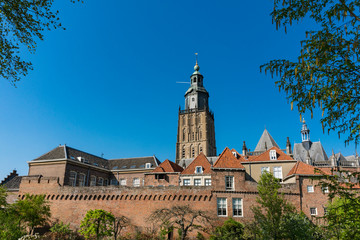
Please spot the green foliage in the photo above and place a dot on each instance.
(97, 223)
(22, 23)
(199, 236)
(230, 230)
(275, 218)
(343, 218)
(61, 228)
(327, 70)
(183, 218)
(33, 211)
(10, 227)
(3, 196)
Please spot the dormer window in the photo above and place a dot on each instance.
(148, 165)
(235, 154)
(273, 155)
(198, 169)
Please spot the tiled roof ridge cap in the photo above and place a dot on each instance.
(130, 158)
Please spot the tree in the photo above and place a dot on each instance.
(97, 223)
(22, 23)
(343, 212)
(10, 227)
(230, 230)
(3, 196)
(327, 71)
(119, 224)
(272, 208)
(183, 218)
(32, 211)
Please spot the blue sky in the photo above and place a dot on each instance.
(107, 84)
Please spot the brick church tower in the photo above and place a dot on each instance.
(196, 130)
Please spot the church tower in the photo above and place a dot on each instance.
(196, 130)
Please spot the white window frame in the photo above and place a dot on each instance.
(222, 207)
(273, 155)
(198, 169)
(278, 172)
(313, 211)
(263, 169)
(92, 180)
(82, 180)
(147, 165)
(207, 181)
(186, 182)
(229, 183)
(325, 189)
(122, 182)
(310, 188)
(197, 182)
(72, 179)
(136, 182)
(237, 204)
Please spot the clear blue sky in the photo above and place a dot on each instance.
(107, 84)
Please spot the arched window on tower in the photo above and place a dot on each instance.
(183, 137)
(183, 152)
(192, 136)
(200, 134)
(200, 148)
(192, 151)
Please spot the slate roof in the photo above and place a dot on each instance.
(265, 139)
(132, 163)
(13, 184)
(280, 155)
(200, 160)
(228, 160)
(317, 152)
(167, 166)
(66, 152)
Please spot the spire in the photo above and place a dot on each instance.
(267, 139)
(305, 132)
(196, 67)
(288, 146)
(244, 149)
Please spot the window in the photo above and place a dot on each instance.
(82, 179)
(92, 181)
(229, 182)
(101, 181)
(325, 189)
(200, 149)
(278, 172)
(183, 152)
(193, 99)
(273, 155)
(235, 154)
(106, 182)
(310, 188)
(72, 178)
(192, 151)
(313, 211)
(114, 181)
(136, 182)
(207, 182)
(186, 182)
(237, 207)
(265, 169)
(198, 169)
(123, 182)
(148, 165)
(197, 181)
(221, 207)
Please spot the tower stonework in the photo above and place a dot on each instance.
(196, 129)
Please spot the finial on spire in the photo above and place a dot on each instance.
(196, 67)
(303, 121)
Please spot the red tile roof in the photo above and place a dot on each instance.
(228, 160)
(266, 156)
(168, 166)
(200, 160)
(301, 168)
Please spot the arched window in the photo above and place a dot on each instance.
(192, 152)
(183, 152)
(184, 134)
(200, 148)
(192, 138)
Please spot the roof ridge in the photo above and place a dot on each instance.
(85, 152)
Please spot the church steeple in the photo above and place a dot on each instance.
(305, 132)
(196, 97)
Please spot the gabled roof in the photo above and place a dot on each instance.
(266, 156)
(66, 152)
(266, 142)
(168, 166)
(133, 163)
(316, 151)
(228, 160)
(301, 168)
(200, 160)
(13, 184)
